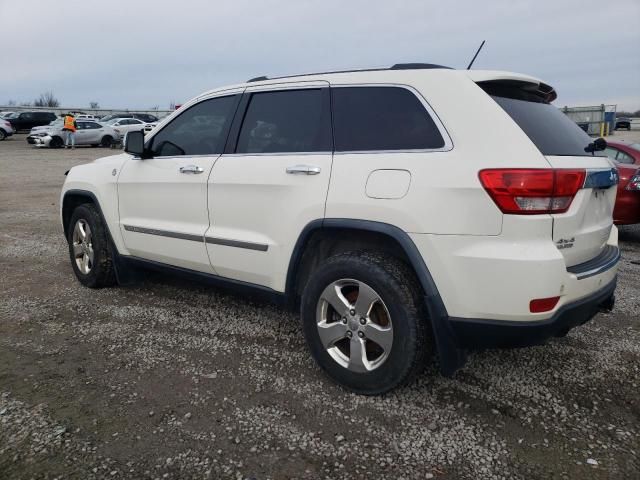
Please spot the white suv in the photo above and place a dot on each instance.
(412, 213)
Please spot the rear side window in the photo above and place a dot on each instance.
(624, 158)
(285, 121)
(381, 118)
(548, 128)
(200, 130)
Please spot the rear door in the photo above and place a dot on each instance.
(271, 182)
(582, 232)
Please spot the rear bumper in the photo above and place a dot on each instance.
(481, 334)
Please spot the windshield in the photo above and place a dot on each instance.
(10, 115)
(548, 128)
(111, 121)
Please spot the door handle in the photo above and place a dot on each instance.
(303, 170)
(191, 169)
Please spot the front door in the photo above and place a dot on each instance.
(163, 200)
(272, 181)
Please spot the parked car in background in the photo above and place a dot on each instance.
(4, 114)
(149, 126)
(28, 120)
(86, 116)
(626, 157)
(623, 152)
(88, 133)
(125, 125)
(6, 130)
(145, 117)
(623, 123)
(627, 208)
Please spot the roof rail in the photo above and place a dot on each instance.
(417, 66)
(397, 66)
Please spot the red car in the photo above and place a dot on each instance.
(627, 159)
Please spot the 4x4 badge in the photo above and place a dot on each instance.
(565, 243)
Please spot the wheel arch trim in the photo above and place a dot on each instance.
(450, 355)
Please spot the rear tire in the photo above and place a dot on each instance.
(106, 141)
(89, 248)
(3, 135)
(395, 318)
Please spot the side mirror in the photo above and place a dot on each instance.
(597, 145)
(600, 144)
(134, 143)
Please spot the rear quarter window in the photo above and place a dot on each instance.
(381, 118)
(551, 131)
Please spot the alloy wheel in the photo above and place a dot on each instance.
(354, 325)
(83, 246)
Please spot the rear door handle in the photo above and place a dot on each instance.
(303, 170)
(191, 169)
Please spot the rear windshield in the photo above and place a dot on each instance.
(548, 128)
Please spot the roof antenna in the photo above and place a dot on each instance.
(474, 57)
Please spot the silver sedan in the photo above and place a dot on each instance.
(88, 133)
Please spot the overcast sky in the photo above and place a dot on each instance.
(147, 53)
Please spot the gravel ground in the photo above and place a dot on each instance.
(170, 379)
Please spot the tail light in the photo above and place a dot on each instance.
(532, 191)
(634, 183)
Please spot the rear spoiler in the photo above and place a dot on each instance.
(520, 90)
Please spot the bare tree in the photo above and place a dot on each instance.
(25, 104)
(172, 105)
(94, 105)
(47, 99)
(11, 103)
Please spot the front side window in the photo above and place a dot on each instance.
(197, 131)
(381, 118)
(285, 121)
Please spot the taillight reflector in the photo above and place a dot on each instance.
(532, 191)
(543, 304)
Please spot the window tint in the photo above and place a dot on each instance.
(287, 121)
(611, 153)
(381, 118)
(197, 131)
(624, 158)
(91, 125)
(548, 128)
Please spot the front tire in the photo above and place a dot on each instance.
(89, 248)
(363, 320)
(56, 142)
(3, 135)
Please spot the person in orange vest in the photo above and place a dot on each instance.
(69, 126)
